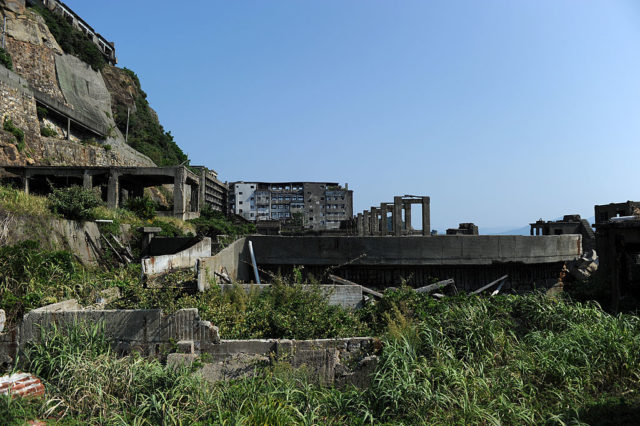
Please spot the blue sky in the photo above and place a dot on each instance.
(503, 111)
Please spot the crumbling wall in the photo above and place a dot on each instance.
(187, 258)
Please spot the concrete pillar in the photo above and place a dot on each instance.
(87, 181)
(407, 217)
(360, 225)
(384, 229)
(374, 221)
(426, 216)
(25, 185)
(113, 190)
(179, 183)
(397, 216)
(68, 128)
(531, 232)
(367, 223)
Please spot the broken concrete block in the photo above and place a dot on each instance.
(3, 319)
(66, 305)
(185, 346)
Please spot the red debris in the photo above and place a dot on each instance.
(21, 384)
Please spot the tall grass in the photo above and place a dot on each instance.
(15, 201)
(503, 360)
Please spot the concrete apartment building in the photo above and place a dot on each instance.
(213, 192)
(320, 205)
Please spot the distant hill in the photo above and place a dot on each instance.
(524, 230)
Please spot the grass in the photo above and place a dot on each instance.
(15, 201)
(503, 360)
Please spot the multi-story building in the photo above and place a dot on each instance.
(213, 192)
(316, 205)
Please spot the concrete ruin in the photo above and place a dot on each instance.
(374, 262)
(464, 229)
(163, 255)
(618, 245)
(185, 338)
(118, 183)
(375, 221)
(570, 224)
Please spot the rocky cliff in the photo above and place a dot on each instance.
(66, 109)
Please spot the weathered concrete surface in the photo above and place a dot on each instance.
(233, 260)
(380, 262)
(347, 296)
(436, 250)
(340, 361)
(156, 265)
(146, 331)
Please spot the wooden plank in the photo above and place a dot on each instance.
(491, 284)
(437, 286)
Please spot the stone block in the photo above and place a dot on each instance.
(3, 319)
(185, 346)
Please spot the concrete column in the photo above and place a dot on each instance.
(531, 232)
(179, 183)
(113, 190)
(367, 223)
(426, 216)
(87, 181)
(384, 229)
(407, 217)
(360, 225)
(374, 221)
(68, 128)
(25, 185)
(397, 216)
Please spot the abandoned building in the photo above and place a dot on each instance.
(570, 224)
(117, 184)
(618, 246)
(464, 229)
(394, 218)
(107, 48)
(213, 192)
(605, 212)
(315, 205)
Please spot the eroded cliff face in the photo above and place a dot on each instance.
(41, 70)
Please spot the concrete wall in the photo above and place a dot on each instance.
(436, 250)
(331, 361)
(234, 260)
(347, 296)
(187, 258)
(382, 262)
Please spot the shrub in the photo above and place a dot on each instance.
(144, 207)
(107, 147)
(18, 133)
(5, 59)
(48, 132)
(212, 223)
(74, 202)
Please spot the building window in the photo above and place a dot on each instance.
(240, 192)
(239, 202)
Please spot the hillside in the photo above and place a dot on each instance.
(62, 103)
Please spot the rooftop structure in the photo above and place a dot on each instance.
(570, 224)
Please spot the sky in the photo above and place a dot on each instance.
(502, 111)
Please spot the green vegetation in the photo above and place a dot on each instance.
(502, 360)
(16, 202)
(71, 40)
(146, 134)
(48, 132)
(74, 202)
(212, 223)
(18, 133)
(143, 207)
(5, 59)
